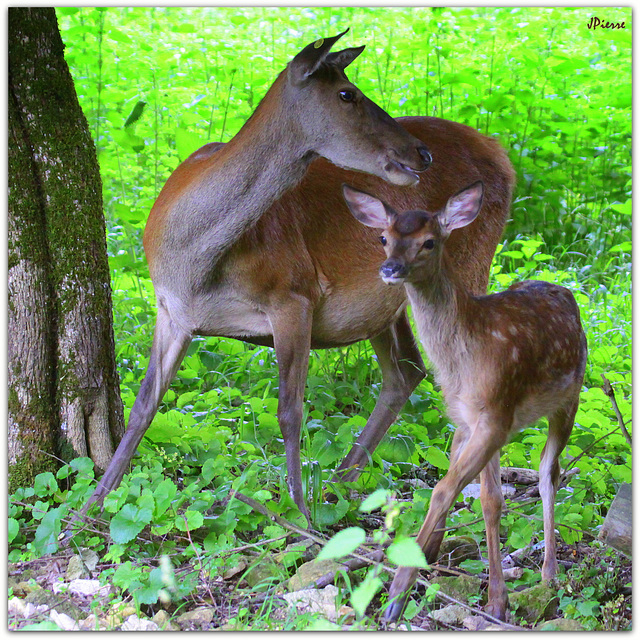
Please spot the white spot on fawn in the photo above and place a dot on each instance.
(514, 354)
(497, 334)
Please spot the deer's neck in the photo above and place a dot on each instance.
(441, 309)
(209, 206)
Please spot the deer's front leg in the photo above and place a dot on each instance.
(291, 326)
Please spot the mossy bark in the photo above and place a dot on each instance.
(61, 347)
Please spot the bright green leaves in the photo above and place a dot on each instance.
(12, 530)
(406, 552)
(437, 458)
(189, 520)
(343, 543)
(46, 538)
(129, 522)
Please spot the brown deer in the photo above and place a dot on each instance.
(305, 275)
(503, 361)
(210, 200)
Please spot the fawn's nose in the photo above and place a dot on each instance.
(393, 271)
(426, 156)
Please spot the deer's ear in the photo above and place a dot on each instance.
(462, 209)
(310, 58)
(367, 208)
(342, 59)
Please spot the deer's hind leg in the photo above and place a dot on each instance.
(560, 426)
(491, 499)
(402, 370)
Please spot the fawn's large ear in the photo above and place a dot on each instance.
(311, 57)
(462, 208)
(342, 59)
(367, 208)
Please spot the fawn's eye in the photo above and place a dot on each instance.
(347, 96)
(383, 240)
(429, 244)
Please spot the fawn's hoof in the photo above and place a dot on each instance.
(393, 612)
(497, 610)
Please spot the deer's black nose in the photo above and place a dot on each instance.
(393, 270)
(425, 155)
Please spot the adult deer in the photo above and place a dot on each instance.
(503, 361)
(210, 200)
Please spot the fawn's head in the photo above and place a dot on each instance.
(414, 240)
(339, 122)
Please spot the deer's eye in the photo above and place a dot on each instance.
(347, 96)
(383, 240)
(429, 244)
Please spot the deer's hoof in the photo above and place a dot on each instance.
(394, 610)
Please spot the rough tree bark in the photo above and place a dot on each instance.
(64, 397)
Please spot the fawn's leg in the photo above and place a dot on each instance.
(485, 440)
(560, 426)
(491, 498)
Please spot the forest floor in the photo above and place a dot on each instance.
(59, 592)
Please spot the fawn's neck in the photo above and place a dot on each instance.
(441, 306)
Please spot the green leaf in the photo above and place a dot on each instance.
(189, 521)
(46, 538)
(45, 484)
(406, 552)
(625, 208)
(13, 530)
(149, 593)
(437, 458)
(83, 466)
(364, 593)
(343, 543)
(164, 494)
(329, 513)
(375, 501)
(129, 522)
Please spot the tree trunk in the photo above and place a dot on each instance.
(64, 397)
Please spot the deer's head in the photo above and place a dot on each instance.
(414, 240)
(339, 122)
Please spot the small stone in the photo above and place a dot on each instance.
(75, 569)
(134, 623)
(163, 620)
(456, 549)
(471, 491)
(460, 587)
(65, 622)
(17, 607)
(292, 552)
(196, 619)
(309, 572)
(263, 573)
(92, 623)
(23, 588)
(83, 587)
(320, 601)
(62, 604)
(560, 624)
(234, 571)
(452, 614)
(536, 603)
(514, 573)
(475, 623)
